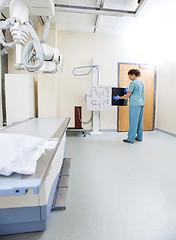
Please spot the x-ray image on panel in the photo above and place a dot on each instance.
(120, 92)
(99, 98)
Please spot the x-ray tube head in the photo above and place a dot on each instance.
(50, 54)
(19, 10)
(33, 55)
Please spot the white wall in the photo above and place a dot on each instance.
(79, 50)
(157, 39)
(166, 101)
(48, 83)
(166, 69)
(1, 120)
(150, 38)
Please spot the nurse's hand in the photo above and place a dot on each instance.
(116, 97)
(125, 90)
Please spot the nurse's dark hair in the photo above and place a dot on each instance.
(136, 72)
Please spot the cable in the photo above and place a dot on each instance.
(79, 114)
(33, 50)
(34, 44)
(46, 30)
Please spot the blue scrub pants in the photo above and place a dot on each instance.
(135, 123)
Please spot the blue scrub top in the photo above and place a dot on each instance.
(137, 97)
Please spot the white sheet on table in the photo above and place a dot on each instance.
(19, 153)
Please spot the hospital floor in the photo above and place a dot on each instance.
(117, 191)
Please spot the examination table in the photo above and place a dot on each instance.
(26, 200)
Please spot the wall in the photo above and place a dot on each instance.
(157, 40)
(166, 69)
(150, 38)
(166, 101)
(79, 50)
(47, 82)
(1, 120)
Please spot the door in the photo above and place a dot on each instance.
(148, 77)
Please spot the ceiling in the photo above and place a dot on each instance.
(96, 16)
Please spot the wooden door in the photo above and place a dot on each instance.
(148, 77)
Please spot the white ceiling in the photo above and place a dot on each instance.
(98, 20)
(114, 4)
(82, 22)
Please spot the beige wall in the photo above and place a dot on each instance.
(157, 41)
(166, 101)
(59, 93)
(1, 120)
(79, 50)
(150, 38)
(144, 42)
(48, 83)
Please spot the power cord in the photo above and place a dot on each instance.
(79, 114)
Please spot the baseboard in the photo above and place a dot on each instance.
(163, 131)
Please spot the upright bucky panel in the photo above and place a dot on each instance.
(99, 98)
(120, 92)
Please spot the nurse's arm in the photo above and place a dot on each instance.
(128, 95)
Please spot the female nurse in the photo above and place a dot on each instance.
(136, 95)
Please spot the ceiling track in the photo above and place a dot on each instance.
(93, 10)
(139, 7)
(97, 21)
(98, 10)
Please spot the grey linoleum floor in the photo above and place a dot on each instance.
(117, 191)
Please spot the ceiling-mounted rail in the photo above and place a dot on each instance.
(93, 10)
(98, 10)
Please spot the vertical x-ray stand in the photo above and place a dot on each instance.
(96, 114)
(95, 82)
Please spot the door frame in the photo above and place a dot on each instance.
(118, 83)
